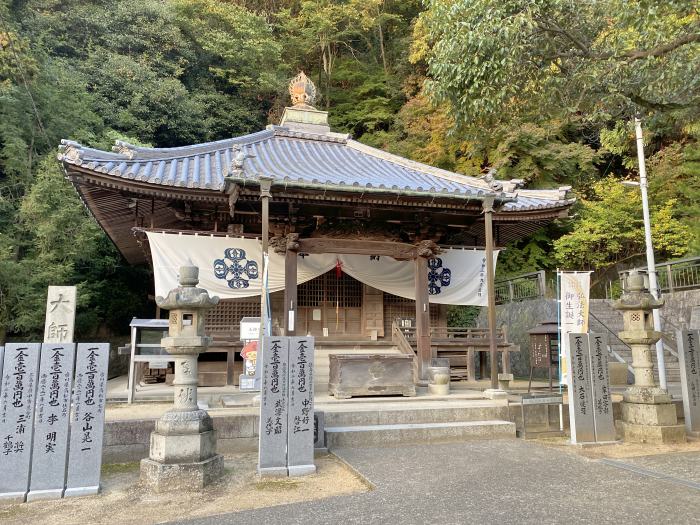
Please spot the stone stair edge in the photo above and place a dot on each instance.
(405, 426)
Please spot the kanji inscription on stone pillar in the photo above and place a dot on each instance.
(60, 314)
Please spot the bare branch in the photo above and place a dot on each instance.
(663, 49)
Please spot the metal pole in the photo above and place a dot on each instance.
(490, 286)
(651, 264)
(265, 185)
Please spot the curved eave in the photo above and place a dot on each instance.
(303, 191)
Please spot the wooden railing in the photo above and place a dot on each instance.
(398, 337)
(521, 287)
(451, 333)
(673, 276)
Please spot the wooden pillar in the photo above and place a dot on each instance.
(290, 292)
(505, 355)
(482, 365)
(422, 316)
(265, 185)
(490, 286)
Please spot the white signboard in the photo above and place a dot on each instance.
(573, 313)
(250, 329)
(60, 314)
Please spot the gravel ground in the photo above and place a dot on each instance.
(124, 501)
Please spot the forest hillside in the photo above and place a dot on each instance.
(543, 90)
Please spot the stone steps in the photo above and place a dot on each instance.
(605, 314)
(389, 423)
(392, 413)
(387, 435)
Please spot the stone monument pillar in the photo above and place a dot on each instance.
(648, 415)
(183, 445)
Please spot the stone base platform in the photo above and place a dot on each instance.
(652, 434)
(162, 477)
(654, 422)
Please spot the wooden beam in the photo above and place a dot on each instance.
(397, 250)
(422, 317)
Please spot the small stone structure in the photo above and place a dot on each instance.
(648, 415)
(183, 445)
(371, 375)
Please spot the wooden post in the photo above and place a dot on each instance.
(505, 355)
(490, 285)
(669, 276)
(265, 185)
(471, 365)
(290, 292)
(422, 316)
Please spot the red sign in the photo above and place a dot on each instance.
(250, 351)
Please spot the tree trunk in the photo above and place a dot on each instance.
(381, 49)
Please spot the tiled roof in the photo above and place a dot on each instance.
(331, 160)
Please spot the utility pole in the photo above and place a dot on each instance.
(651, 263)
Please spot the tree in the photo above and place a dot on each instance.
(610, 229)
(496, 60)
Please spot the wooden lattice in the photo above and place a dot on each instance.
(226, 316)
(395, 306)
(343, 291)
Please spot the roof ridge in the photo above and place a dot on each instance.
(282, 131)
(133, 152)
(419, 166)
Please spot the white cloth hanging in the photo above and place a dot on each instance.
(230, 267)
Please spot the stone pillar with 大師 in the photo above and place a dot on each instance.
(60, 314)
(648, 415)
(183, 445)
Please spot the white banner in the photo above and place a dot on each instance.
(574, 297)
(230, 267)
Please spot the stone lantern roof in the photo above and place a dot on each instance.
(637, 296)
(187, 295)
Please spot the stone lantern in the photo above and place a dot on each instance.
(183, 445)
(648, 415)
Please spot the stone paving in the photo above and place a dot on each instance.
(497, 481)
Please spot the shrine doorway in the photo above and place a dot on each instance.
(330, 306)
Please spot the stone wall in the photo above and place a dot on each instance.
(681, 311)
(519, 318)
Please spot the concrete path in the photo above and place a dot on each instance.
(498, 481)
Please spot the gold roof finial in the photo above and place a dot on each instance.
(302, 91)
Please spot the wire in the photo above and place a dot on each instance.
(20, 66)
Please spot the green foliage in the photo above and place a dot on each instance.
(462, 316)
(610, 229)
(528, 255)
(543, 156)
(541, 90)
(522, 58)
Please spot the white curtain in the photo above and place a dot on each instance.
(230, 267)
